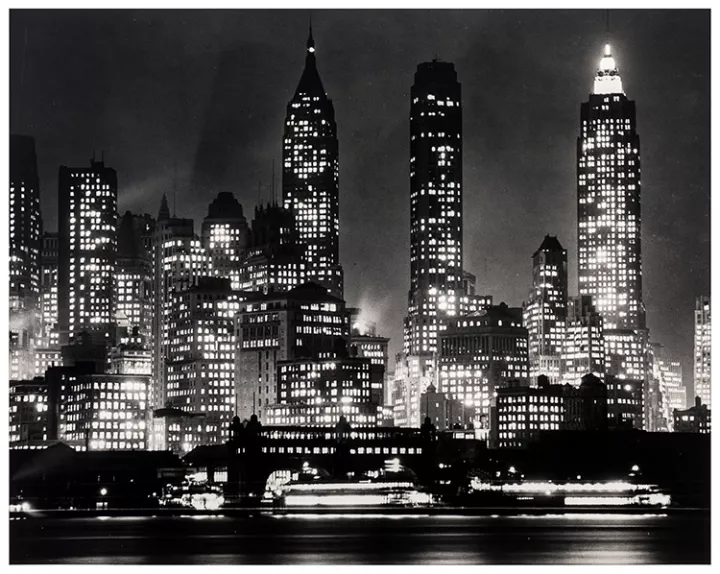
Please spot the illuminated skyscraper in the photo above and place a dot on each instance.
(87, 222)
(608, 153)
(311, 175)
(436, 272)
(225, 236)
(702, 350)
(545, 314)
(24, 260)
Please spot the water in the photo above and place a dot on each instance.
(368, 539)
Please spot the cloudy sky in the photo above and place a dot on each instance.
(148, 87)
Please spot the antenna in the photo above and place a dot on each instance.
(259, 198)
(607, 28)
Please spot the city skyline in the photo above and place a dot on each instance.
(506, 272)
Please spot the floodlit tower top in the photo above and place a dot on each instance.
(607, 79)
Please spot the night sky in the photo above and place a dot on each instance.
(195, 101)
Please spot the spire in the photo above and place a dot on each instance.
(310, 82)
(607, 79)
(164, 213)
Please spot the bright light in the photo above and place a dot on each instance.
(512, 470)
(103, 491)
(26, 506)
(392, 465)
(635, 468)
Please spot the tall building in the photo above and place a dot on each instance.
(201, 357)
(608, 169)
(274, 260)
(225, 236)
(436, 272)
(25, 228)
(479, 353)
(701, 370)
(134, 277)
(545, 314)
(87, 250)
(584, 349)
(311, 175)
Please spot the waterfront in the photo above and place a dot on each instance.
(590, 538)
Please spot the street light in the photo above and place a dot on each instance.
(103, 491)
(635, 468)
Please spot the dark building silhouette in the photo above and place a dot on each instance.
(696, 419)
(311, 175)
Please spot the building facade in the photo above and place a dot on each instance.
(201, 357)
(545, 314)
(311, 175)
(29, 425)
(317, 392)
(703, 349)
(696, 419)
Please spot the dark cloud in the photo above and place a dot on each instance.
(194, 101)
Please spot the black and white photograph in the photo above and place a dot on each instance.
(356, 285)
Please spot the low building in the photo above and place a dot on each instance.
(695, 419)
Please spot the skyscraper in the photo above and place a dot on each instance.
(702, 350)
(609, 238)
(87, 249)
(545, 314)
(311, 175)
(608, 169)
(436, 272)
(24, 260)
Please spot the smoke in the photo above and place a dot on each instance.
(374, 312)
